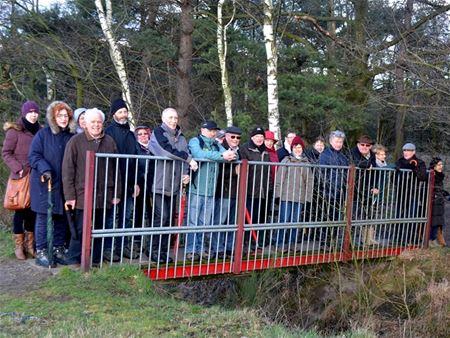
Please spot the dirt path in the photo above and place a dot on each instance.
(21, 276)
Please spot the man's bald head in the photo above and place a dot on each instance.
(170, 117)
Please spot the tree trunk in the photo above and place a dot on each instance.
(400, 87)
(272, 84)
(114, 52)
(184, 69)
(222, 51)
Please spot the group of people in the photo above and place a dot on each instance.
(135, 192)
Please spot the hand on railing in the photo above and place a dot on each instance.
(185, 180)
(229, 155)
(194, 165)
(115, 201)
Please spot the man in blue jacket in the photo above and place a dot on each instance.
(203, 187)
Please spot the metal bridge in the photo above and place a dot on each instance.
(247, 216)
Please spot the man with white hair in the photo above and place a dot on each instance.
(168, 141)
(73, 176)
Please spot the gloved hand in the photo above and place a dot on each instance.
(47, 175)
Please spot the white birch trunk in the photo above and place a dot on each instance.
(50, 85)
(222, 51)
(272, 83)
(114, 52)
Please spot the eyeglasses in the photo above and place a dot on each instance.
(365, 145)
(142, 134)
(235, 137)
(62, 116)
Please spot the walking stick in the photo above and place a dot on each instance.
(50, 224)
(249, 221)
(180, 219)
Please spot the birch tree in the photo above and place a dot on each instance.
(271, 61)
(114, 51)
(222, 51)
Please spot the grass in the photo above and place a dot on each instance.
(117, 302)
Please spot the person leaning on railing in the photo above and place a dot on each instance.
(167, 140)
(203, 188)
(408, 198)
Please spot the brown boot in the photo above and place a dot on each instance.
(440, 237)
(29, 244)
(19, 246)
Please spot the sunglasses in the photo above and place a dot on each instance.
(365, 145)
(235, 137)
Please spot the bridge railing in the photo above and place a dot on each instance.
(243, 216)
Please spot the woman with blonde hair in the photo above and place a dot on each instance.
(46, 156)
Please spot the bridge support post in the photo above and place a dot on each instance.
(241, 208)
(87, 214)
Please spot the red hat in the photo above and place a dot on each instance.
(269, 135)
(298, 140)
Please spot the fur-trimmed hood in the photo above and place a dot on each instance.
(12, 125)
(50, 116)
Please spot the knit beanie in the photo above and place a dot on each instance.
(116, 105)
(27, 106)
(77, 113)
(298, 140)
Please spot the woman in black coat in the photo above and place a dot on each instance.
(439, 196)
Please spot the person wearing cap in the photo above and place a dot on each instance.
(259, 185)
(46, 157)
(167, 140)
(285, 150)
(269, 142)
(79, 118)
(94, 139)
(15, 149)
(362, 157)
(203, 188)
(333, 182)
(226, 194)
(294, 187)
(119, 130)
(409, 193)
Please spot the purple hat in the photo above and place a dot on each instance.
(29, 106)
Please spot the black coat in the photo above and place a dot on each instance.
(439, 195)
(126, 144)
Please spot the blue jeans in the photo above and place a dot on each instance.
(59, 230)
(224, 214)
(200, 213)
(290, 212)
